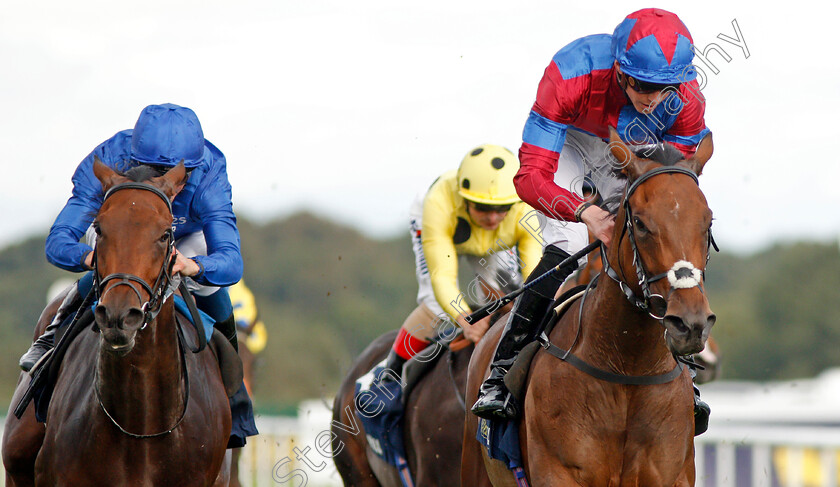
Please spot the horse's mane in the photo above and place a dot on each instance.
(665, 154)
(141, 173)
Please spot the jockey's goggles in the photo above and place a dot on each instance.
(159, 169)
(480, 207)
(644, 87)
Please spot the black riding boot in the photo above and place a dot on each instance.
(701, 413)
(46, 341)
(393, 367)
(494, 400)
(227, 328)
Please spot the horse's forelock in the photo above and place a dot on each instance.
(141, 173)
(665, 154)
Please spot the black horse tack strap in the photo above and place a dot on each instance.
(45, 372)
(194, 315)
(633, 380)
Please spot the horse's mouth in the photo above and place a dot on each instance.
(683, 346)
(119, 349)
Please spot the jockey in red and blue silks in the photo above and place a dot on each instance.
(206, 236)
(639, 80)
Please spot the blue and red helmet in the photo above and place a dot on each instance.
(166, 134)
(654, 46)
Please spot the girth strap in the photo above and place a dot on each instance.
(580, 364)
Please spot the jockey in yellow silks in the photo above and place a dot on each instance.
(471, 216)
(247, 318)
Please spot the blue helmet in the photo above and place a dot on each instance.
(166, 134)
(654, 46)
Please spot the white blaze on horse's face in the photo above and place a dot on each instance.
(683, 275)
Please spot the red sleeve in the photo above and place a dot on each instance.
(560, 99)
(557, 105)
(535, 184)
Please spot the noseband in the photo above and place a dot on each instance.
(681, 275)
(152, 306)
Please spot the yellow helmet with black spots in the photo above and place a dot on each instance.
(486, 176)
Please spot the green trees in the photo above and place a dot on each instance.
(325, 291)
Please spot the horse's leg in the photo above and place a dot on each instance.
(224, 478)
(22, 439)
(689, 474)
(234, 467)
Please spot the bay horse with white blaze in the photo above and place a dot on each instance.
(130, 407)
(625, 417)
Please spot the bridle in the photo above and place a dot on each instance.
(163, 283)
(150, 308)
(648, 302)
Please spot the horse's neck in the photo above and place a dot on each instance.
(617, 335)
(144, 390)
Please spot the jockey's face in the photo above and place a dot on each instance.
(487, 217)
(643, 96)
(644, 102)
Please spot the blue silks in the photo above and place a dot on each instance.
(206, 320)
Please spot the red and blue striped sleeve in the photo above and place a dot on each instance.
(557, 104)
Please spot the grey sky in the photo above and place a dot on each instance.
(350, 108)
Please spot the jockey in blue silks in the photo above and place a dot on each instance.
(207, 239)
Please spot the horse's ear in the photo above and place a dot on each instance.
(174, 180)
(702, 155)
(107, 176)
(630, 165)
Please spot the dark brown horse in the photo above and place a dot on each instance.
(129, 407)
(433, 426)
(578, 430)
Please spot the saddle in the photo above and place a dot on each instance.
(518, 374)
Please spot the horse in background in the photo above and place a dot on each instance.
(432, 428)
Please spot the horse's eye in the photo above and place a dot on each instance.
(164, 237)
(97, 229)
(637, 222)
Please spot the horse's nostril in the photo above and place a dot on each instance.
(100, 314)
(711, 320)
(133, 318)
(676, 323)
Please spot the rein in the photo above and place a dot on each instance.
(580, 364)
(184, 374)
